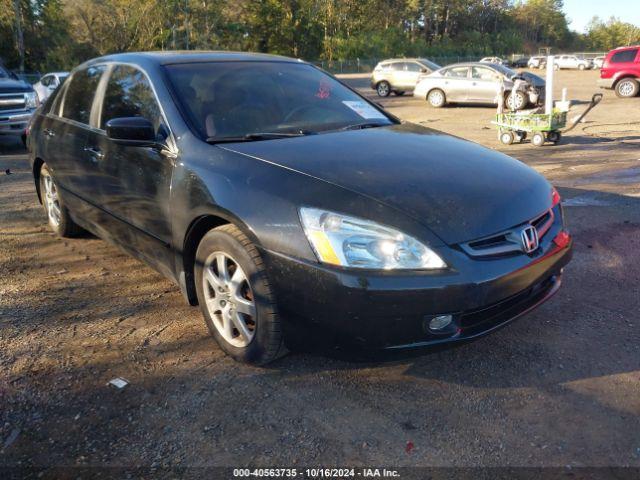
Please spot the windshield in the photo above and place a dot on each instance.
(241, 99)
(429, 64)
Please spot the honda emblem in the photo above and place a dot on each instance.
(529, 237)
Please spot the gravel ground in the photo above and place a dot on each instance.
(558, 388)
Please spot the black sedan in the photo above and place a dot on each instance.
(288, 206)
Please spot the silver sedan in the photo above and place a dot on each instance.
(479, 83)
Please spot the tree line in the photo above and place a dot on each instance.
(58, 34)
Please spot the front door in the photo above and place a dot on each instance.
(134, 182)
(484, 85)
(456, 84)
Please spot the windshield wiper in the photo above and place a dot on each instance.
(360, 126)
(251, 137)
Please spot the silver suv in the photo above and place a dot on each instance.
(400, 75)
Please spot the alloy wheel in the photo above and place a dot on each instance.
(229, 299)
(626, 88)
(51, 200)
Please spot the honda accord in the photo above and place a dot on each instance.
(286, 205)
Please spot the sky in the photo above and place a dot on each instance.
(580, 12)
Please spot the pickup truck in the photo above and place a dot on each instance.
(18, 101)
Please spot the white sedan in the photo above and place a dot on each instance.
(48, 83)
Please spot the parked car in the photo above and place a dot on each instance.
(621, 71)
(399, 75)
(293, 207)
(495, 60)
(598, 62)
(48, 83)
(537, 62)
(478, 83)
(18, 101)
(571, 62)
(522, 62)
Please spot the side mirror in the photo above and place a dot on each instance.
(133, 131)
(424, 70)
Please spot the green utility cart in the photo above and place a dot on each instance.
(514, 127)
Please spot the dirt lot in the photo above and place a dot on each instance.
(560, 387)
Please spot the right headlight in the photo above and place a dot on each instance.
(357, 243)
(31, 100)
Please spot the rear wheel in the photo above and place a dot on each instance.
(507, 138)
(235, 297)
(436, 98)
(383, 88)
(627, 88)
(59, 219)
(581, 67)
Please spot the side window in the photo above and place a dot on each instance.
(46, 80)
(80, 92)
(397, 66)
(457, 72)
(129, 94)
(482, 73)
(412, 67)
(624, 56)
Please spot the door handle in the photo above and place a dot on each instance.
(95, 153)
(49, 133)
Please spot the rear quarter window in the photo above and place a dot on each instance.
(624, 56)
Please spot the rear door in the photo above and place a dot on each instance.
(66, 137)
(134, 182)
(456, 83)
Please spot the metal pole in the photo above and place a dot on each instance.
(19, 34)
(548, 101)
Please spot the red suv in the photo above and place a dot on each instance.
(621, 71)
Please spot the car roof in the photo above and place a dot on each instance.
(475, 64)
(627, 47)
(57, 74)
(190, 56)
(412, 59)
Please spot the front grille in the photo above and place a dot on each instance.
(10, 102)
(508, 242)
(507, 308)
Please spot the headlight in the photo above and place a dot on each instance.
(353, 242)
(31, 100)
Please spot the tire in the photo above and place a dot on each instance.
(507, 138)
(554, 137)
(581, 67)
(238, 306)
(516, 101)
(556, 67)
(538, 139)
(627, 88)
(57, 214)
(436, 98)
(399, 93)
(383, 88)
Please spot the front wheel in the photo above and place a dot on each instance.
(59, 219)
(581, 67)
(507, 138)
(235, 297)
(383, 88)
(627, 88)
(516, 101)
(538, 139)
(436, 98)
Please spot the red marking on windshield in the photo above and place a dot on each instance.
(324, 90)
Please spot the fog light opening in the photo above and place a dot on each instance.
(440, 323)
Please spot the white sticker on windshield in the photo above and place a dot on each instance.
(364, 109)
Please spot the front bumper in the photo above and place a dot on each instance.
(386, 310)
(605, 83)
(14, 123)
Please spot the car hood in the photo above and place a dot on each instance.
(533, 79)
(10, 85)
(458, 189)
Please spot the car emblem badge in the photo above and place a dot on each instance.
(529, 237)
